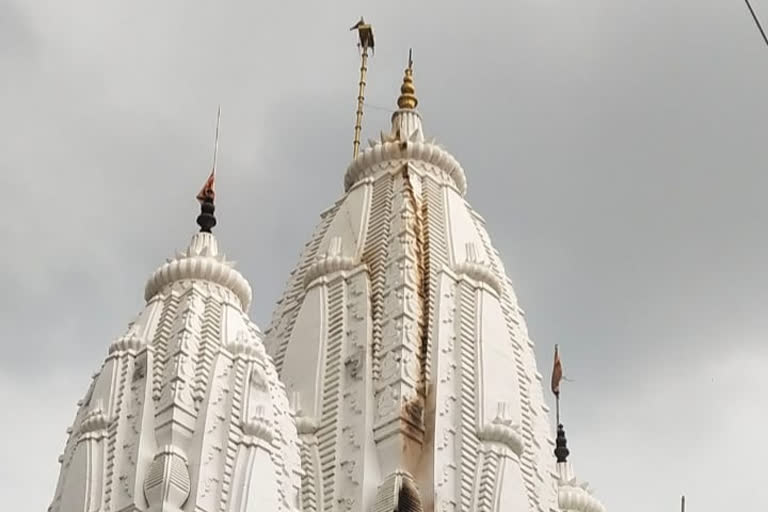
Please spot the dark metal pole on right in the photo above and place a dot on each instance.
(757, 21)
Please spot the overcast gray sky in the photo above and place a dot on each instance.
(616, 149)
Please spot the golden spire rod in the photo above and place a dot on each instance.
(408, 99)
(365, 33)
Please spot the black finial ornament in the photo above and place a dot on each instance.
(207, 194)
(206, 220)
(561, 445)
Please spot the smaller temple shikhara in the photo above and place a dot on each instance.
(396, 375)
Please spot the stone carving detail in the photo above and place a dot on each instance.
(574, 497)
(200, 262)
(354, 365)
(331, 262)
(398, 388)
(306, 425)
(258, 426)
(396, 153)
(168, 483)
(130, 342)
(478, 271)
(386, 402)
(502, 430)
(242, 347)
(398, 492)
(95, 421)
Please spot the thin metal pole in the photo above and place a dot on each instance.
(216, 140)
(557, 408)
(759, 26)
(682, 503)
(360, 101)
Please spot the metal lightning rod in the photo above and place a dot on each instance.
(216, 139)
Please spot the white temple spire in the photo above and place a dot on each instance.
(403, 341)
(187, 412)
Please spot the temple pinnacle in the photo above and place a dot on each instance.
(206, 220)
(561, 445)
(408, 97)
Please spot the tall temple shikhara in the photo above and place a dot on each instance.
(397, 374)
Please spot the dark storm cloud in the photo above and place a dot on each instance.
(616, 152)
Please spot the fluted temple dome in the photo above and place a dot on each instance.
(187, 412)
(401, 338)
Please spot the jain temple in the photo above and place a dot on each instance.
(396, 374)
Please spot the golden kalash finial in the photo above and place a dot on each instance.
(408, 97)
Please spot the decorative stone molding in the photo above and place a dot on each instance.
(306, 425)
(242, 347)
(258, 427)
(95, 420)
(501, 430)
(201, 261)
(577, 498)
(398, 492)
(129, 342)
(477, 270)
(329, 263)
(167, 484)
(388, 151)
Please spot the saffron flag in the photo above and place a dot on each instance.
(208, 191)
(557, 374)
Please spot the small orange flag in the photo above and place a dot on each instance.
(208, 190)
(557, 373)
